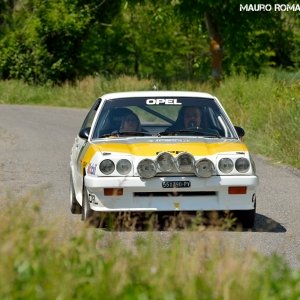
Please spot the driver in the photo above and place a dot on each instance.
(130, 123)
(189, 117)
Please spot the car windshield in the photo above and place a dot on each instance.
(180, 116)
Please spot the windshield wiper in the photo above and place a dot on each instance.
(207, 133)
(178, 132)
(126, 133)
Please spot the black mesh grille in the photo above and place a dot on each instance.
(174, 194)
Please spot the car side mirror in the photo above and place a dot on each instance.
(84, 133)
(240, 131)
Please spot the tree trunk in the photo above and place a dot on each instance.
(215, 47)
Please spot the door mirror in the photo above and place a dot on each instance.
(84, 133)
(240, 131)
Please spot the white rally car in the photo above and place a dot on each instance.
(161, 151)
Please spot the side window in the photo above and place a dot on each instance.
(212, 118)
(91, 115)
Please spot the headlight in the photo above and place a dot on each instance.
(146, 168)
(185, 162)
(124, 166)
(204, 168)
(107, 166)
(165, 162)
(225, 165)
(242, 165)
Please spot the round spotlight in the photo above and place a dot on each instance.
(185, 162)
(146, 168)
(107, 166)
(242, 165)
(124, 166)
(204, 168)
(226, 165)
(165, 162)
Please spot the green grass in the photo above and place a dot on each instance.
(269, 110)
(267, 107)
(40, 261)
(81, 94)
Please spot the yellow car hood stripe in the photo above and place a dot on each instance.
(151, 149)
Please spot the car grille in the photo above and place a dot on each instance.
(174, 194)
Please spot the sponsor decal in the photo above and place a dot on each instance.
(91, 169)
(92, 199)
(172, 152)
(163, 101)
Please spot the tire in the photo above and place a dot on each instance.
(74, 205)
(87, 214)
(246, 217)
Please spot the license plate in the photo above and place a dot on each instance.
(176, 184)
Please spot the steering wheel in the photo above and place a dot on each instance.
(194, 128)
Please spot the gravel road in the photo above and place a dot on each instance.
(35, 145)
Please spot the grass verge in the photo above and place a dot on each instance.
(269, 109)
(92, 264)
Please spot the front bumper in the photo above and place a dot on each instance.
(204, 194)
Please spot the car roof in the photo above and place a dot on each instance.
(156, 94)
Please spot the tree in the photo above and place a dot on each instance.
(45, 41)
(240, 41)
(63, 40)
(6, 9)
(149, 40)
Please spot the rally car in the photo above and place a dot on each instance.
(161, 151)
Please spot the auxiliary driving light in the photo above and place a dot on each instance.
(185, 162)
(146, 168)
(165, 162)
(204, 168)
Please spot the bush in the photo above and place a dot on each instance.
(44, 42)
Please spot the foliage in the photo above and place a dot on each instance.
(249, 40)
(41, 260)
(49, 42)
(45, 41)
(155, 43)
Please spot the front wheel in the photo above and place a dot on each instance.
(247, 217)
(88, 215)
(74, 205)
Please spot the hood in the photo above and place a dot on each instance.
(153, 146)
